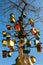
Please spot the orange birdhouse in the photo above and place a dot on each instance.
(31, 21)
(8, 27)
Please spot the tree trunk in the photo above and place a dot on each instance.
(25, 59)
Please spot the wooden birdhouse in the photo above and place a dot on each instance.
(12, 19)
(38, 47)
(33, 31)
(26, 50)
(9, 53)
(31, 21)
(36, 42)
(4, 42)
(18, 61)
(4, 53)
(17, 26)
(12, 15)
(33, 59)
(30, 62)
(4, 33)
(8, 27)
(28, 43)
(11, 44)
(37, 36)
(8, 35)
(37, 30)
(24, 15)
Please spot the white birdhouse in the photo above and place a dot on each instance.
(11, 44)
(36, 42)
(9, 53)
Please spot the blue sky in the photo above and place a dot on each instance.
(4, 19)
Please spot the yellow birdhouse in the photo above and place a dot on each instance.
(33, 59)
(4, 42)
(4, 33)
(12, 14)
(37, 36)
(18, 61)
(12, 19)
(37, 30)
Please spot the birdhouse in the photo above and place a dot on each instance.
(8, 35)
(24, 15)
(37, 36)
(11, 44)
(26, 51)
(33, 59)
(36, 42)
(33, 31)
(18, 61)
(15, 35)
(30, 62)
(13, 64)
(4, 33)
(25, 40)
(22, 42)
(38, 47)
(4, 42)
(4, 53)
(28, 43)
(31, 21)
(37, 30)
(20, 18)
(9, 53)
(17, 27)
(12, 15)
(19, 57)
(12, 19)
(8, 27)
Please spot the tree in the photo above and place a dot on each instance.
(23, 32)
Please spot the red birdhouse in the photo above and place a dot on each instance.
(17, 26)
